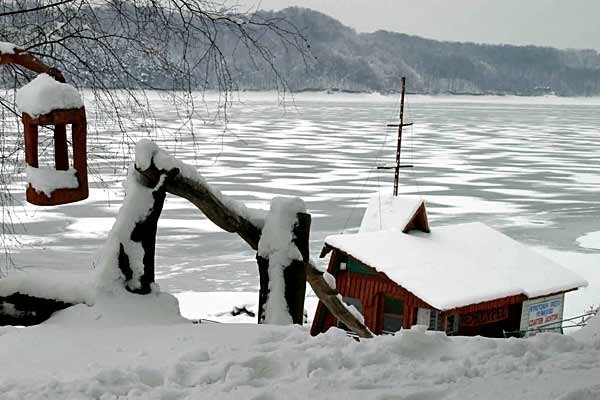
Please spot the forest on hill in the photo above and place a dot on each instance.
(348, 60)
(332, 57)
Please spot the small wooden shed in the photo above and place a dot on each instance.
(465, 279)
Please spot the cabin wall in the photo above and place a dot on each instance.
(370, 287)
(371, 290)
(495, 318)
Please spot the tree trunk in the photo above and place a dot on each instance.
(144, 233)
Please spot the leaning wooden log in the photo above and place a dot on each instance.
(232, 217)
(334, 303)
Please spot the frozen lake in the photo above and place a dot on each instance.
(529, 167)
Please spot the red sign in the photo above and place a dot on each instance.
(484, 317)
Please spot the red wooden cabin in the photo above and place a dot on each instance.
(465, 279)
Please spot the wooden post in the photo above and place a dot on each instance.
(144, 232)
(399, 146)
(79, 139)
(294, 275)
(31, 141)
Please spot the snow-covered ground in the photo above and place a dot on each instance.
(528, 167)
(134, 347)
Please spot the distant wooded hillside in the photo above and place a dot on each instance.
(348, 60)
(336, 58)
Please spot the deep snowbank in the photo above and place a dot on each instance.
(137, 347)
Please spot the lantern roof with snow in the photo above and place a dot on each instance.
(45, 94)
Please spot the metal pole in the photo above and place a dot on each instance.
(399, 146)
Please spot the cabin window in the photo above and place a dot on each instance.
(434, 320)
(358, 267)
(428, 317)
(452, 324)
(351, 301)
(393, 311)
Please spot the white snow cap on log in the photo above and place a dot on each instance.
(47, 180)
(45, 94)
(276, 245)
(7, 48)
(147, 152)
(48, 284)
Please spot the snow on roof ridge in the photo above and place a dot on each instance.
(386, 211)
(457, 265)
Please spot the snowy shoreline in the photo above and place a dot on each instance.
(136, 347)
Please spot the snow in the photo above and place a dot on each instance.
(330, 279)
(353, 310)
(47, 180)
(276, 245)
(137, 347)
(66, 287)
(45, 94)
(458, 265)
(591, 332)
(385, 212)
(7, 48)
(590, 240)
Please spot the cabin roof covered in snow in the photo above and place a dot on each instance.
(390, 212)
(45, 94)
(458, 265)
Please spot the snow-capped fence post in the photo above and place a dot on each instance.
(294, 274)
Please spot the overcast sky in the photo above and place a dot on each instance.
(557, 23)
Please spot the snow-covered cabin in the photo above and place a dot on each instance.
(465, 279)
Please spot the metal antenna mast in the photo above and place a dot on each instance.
(399, 145)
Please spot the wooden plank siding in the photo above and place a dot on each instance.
(370, 289)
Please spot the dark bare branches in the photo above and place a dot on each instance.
(120, 50)
(34, 9)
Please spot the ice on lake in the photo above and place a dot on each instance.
(526, 166)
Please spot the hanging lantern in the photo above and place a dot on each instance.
(47, 102)
(64, 184)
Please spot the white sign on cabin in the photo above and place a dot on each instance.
(542, 315)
